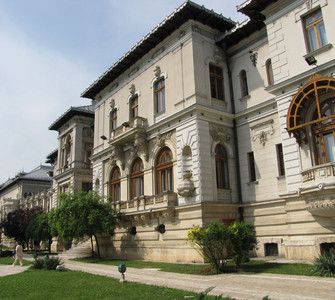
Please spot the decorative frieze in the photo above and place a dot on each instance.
(261, 131)
(220, 134)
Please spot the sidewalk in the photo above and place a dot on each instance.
(10, 270)
(240, 286)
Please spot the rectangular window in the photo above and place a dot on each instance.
(134, 107)
(280, 160)
(160, 96)
(216, 82)
(315, 32)
(252, 168)
(113, 120)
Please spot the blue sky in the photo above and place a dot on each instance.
(52, 50)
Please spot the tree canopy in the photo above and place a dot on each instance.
(16, 223)
(38, 228)
(82, 214)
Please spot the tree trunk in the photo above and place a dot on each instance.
(92, 247)
(98, 247)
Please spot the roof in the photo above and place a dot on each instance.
(252, 9)
(187, 11)
(40, 173)
(51, 157)
(87, 111)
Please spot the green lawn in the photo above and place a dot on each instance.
(42, 284)
(204, 269)
(10, 260)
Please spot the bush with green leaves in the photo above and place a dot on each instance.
(212, 242)
(324, 265)
(47, 263)
(38, 263)
(242, 240)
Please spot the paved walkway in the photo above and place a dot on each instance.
(10, 270)
(241, 286)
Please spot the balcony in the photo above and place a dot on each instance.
(318, 190)
(168, 199)
(319, 174)
(127, 131)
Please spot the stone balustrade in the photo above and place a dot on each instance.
(318, 190)
(167, 199)
(324, 173)
(137, 122)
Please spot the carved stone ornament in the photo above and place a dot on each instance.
(158, 71)
(261, 131)
(116, 155)
(322, 208)
(220, 134)
(253, 58)
(217, 55)
(133, 151)
(132, 89)
(140, 142)
(112, 104)
(186, 188)
(309, 4)
(162, 138)
(113, 87)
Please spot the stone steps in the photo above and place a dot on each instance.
(82, 249)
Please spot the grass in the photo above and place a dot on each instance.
(10, 260)
(42, 284)
(205, 269)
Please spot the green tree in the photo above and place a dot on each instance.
(211, 243)
(38, 228)
(16, 223)
(82, 214)
(242, 239)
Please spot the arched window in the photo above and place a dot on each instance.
(312, 114)
(244, 83)
(136, 179)
(115, 190)
(133, 107)
(324, 133)
(269, 71)
(164, 171)
(159, 89)
(221, 165)
(216, 82)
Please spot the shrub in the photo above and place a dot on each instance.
(324, 265)
(242, 238)
(38, 263)
(6, 253)
(52, 263)
(46, 263)
(213, 241)
(210, 242)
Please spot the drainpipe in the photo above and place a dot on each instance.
(235, 144)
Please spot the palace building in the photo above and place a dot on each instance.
(208, 120)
